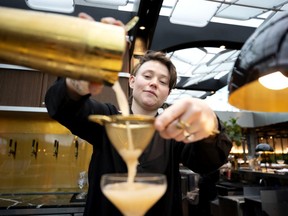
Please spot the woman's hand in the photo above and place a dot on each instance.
(106, 20)
(187, 120)
(78, 88)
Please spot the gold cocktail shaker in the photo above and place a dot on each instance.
(62, 45)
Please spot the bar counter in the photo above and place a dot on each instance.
(245, 192)
(41, 203)
(272, 178)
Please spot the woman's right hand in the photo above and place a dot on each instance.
(78, 88)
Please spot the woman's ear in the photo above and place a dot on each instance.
(131, 81)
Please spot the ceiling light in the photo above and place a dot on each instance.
(232, 12)
(131, 6)
(274, 81)
(109, 2)
(193, 13)
(265, 52)
(63, 6)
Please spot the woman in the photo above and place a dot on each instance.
(187, 132)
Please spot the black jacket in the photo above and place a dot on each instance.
(161, 156)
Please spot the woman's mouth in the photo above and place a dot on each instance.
(151, 92)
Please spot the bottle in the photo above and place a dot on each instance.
(229, 168)
(62, 45)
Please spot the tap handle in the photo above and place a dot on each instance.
(34, 148)
(12, 149)
(76, 148)
(56, 146)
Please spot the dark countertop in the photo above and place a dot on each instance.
(249, 177)
(256, 199)
(40, 200)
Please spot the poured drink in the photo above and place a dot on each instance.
(136, 198)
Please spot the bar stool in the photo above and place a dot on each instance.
(275, 202)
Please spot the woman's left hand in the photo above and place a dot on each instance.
(187, 120)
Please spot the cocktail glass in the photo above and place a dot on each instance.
(137, 197)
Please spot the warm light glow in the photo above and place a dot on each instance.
(254, 96)
(238, 150)
(63, 6)
(274, 81)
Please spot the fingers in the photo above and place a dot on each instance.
(85, 16)
(188, 120)
(112, 21)
(186, 133)
(174, 121)
(171, 131)
(106, 20)
(95, 88)
(81, 87)
(77, 86)
(171, 115)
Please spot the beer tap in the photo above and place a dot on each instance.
(34, 148)
(56, 147)
(76, 143)
(12, 149)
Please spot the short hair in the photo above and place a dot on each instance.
(162, 58)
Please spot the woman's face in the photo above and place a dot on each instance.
(150, 85)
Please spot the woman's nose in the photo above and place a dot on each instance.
(154, 82)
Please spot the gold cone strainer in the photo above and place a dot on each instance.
(118, 127)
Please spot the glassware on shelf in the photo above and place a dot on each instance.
(82, 183)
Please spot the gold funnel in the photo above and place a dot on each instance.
(62, 45)
(118, 127)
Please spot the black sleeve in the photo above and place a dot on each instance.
(74, 114)
(209, 154)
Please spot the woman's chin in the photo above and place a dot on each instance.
(151, 105)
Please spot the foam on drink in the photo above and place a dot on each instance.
(134, 199)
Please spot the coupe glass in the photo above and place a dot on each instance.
(133, 198)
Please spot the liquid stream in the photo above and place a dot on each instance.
(131, 162)
(132, 198)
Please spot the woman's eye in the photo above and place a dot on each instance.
(163, 82)
(147, 76)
